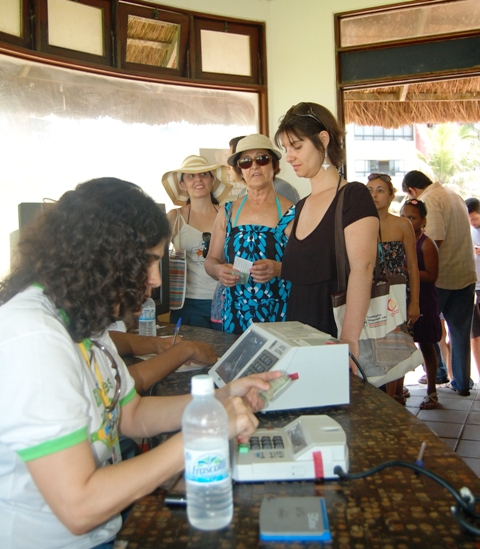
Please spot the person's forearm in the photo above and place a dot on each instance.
(427, 276)
(134, 344)
(211, 267)
(415, 288)
(83, 496)
(147, 372)
(145, 417)
(121, 485)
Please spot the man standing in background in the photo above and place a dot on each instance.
(473, 206)
(448, 225)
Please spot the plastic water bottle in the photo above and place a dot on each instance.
(148, 319)
(207, 465)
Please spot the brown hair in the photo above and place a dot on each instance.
(89, 252)
(385, 178)
(309, 126)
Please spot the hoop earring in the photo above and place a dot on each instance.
(325, 164)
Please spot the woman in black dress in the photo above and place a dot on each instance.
(312, 139)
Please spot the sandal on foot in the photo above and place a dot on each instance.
(400, 399)
(429, 402)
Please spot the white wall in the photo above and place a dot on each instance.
(300, 50)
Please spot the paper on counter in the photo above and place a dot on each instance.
(183, 368)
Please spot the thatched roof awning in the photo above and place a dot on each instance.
(40, 90)
(430, 102)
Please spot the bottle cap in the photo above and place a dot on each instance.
(148, 303)
(202, 385)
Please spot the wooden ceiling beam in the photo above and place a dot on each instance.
(403, 93)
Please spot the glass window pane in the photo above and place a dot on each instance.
(75, 26)
(225, 53)
(151, 42)
(410, 22)
(11, 17)
(77, 126)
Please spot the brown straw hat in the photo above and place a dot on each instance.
(196, 164)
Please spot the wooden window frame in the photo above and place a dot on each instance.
(154, 12)
(34, 45)
(26, 39)
(415, 45)
(257, 50)
(41, 33)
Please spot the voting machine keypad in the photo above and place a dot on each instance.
(263, 363)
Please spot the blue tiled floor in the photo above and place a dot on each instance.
(456, 420)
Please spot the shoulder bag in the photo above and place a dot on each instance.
(386, 349)
(177, 269)
(388, 298)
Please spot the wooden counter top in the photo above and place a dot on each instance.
(392, 509)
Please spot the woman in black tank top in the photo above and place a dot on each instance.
(312, 139)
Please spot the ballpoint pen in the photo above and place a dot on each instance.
(177, 329)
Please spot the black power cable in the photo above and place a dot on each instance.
(463, 511)
(357, 364)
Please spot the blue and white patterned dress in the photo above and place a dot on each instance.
(255, 302)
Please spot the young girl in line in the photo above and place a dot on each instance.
(427, 330)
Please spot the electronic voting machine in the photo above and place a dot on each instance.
(320, 362)
(307, 448)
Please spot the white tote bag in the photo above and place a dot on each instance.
(386, 311)
(388, 299)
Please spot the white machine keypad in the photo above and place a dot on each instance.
(263, 363)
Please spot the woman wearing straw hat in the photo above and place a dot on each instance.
(253, 229)
(197, 187)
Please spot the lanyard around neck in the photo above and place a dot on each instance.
(86, 346)
(100, 383)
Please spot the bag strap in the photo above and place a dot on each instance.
(341, 257)
(343, 267)
(176, 228)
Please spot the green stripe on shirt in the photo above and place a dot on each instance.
(128, 397)
(51, 446)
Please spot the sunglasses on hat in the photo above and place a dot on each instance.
(246, 162)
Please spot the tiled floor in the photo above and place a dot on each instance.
(456, 420)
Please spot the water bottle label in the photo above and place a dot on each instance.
(147, 314)
(207, 466)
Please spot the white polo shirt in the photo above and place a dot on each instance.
(48, 402)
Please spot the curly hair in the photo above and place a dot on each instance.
(418, 204)
(89, 251)
(302, 126)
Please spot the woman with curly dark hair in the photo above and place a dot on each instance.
(65, 394)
